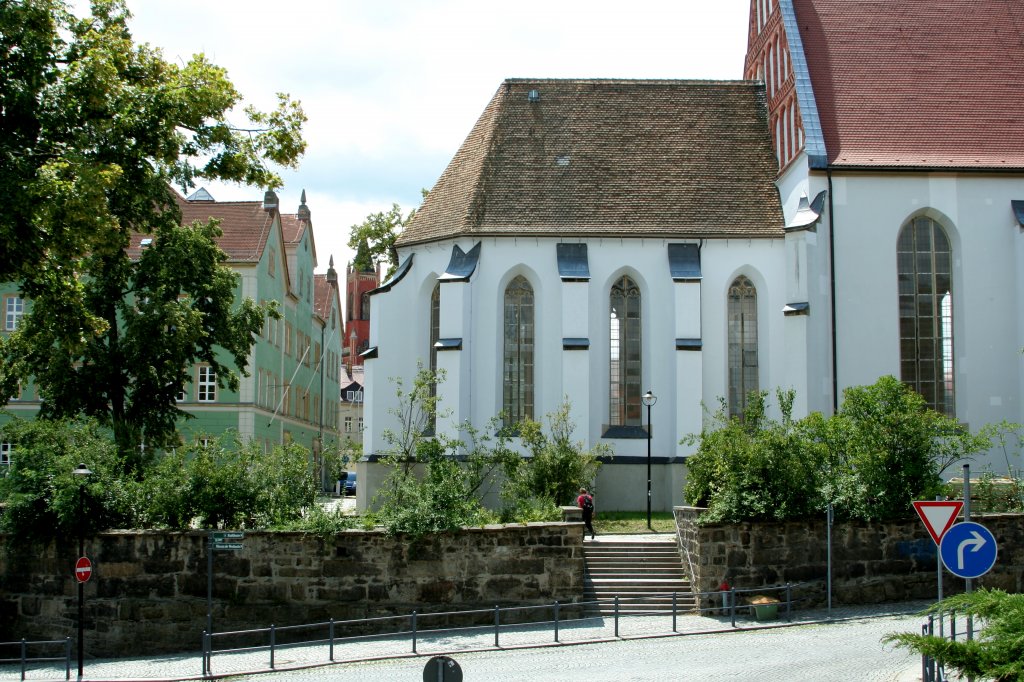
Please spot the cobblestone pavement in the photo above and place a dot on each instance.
(846, 646)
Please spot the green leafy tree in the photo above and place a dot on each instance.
(428, 488)
(42, 495)
(374, 238)
(96, 130)
(895, 448)
(880, 452)
(996, 652)
(757, 468)
(556, 468)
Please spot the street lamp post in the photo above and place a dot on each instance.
(649, 400)
(81, 473)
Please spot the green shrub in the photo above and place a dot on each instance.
(41, 494)
(322, 522)
(556, 468)
(881, 451)
(755, 469)
(231, 485)
(996, 653)
(896, 448)
(436, 483)
(438, 501)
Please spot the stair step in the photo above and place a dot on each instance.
(643, 575)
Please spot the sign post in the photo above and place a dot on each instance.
(217, 541)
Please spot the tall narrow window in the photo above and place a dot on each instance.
(517, 372)
(625, 358)
(924, 266)
(14, 309)
(206, 390)
(5, 457)
(742, 312)
(435, 334)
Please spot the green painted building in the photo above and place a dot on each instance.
(292, 391)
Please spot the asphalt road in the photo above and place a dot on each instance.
(848, 650)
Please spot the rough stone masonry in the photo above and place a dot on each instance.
(148, 589)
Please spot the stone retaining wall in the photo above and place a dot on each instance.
(148, 590)
(871, 563)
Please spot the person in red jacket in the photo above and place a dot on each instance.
(586, 502)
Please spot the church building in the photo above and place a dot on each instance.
(646, 248)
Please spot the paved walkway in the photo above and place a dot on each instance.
(598, 629)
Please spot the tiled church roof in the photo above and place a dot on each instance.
(658, 158)
(917, 82)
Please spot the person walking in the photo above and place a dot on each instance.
(585, 501)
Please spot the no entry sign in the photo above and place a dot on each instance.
(83, 569)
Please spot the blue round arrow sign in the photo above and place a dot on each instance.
(968, 549)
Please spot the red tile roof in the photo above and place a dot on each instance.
(292, 226)
(245, 226)
(932, 83)
(323, 296)
(671, 159)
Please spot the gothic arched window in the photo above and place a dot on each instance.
(743, 366)
(924, 265)
(624, 364)
(435, 334)
(517, 364)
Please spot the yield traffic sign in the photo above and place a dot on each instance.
(83, 569)
(938, 517)
(968, 550)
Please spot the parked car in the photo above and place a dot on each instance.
(349, 483)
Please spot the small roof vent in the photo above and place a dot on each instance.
(533, 95)
(562, 160)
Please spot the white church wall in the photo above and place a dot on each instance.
(810, 284)
(763, 262)
(473, 311)
(975, 211)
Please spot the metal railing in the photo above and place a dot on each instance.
(46, 648)
(493, 628)
(945, 625)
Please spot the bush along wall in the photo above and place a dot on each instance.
(872, 562)
(148, 589)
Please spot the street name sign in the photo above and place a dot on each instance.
(968, 550)
(221, 535)
(230, 539)
(83, 569)
(938, 517)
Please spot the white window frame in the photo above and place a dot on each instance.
(14, 311)
(206, 384)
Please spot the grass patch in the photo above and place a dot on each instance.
(623, 522)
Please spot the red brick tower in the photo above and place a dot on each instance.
(768, 60)
(360, 278)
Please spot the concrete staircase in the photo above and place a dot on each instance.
(643, 571)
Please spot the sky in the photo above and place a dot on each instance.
(392, 87)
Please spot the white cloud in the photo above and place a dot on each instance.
(392, 87)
